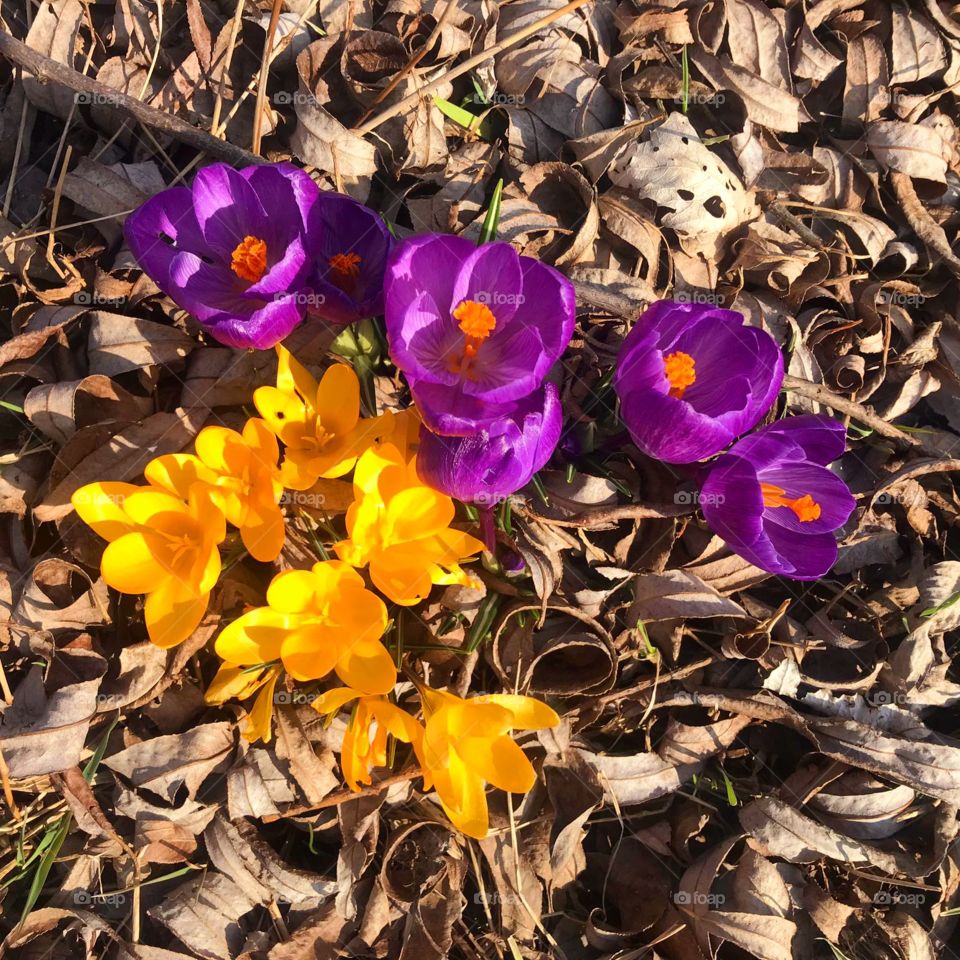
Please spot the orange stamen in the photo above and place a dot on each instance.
(345, 267)
(249, 260)
(679, 369)
(805, 507)
(477, 322)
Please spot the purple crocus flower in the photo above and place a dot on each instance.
(349, 245)
(231, 249)
(498, 460)
(773, 500)
(475, 329)
(692, 378)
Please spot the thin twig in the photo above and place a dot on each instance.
(47, 70)
(413, 61)
(264, 73)
(598, 515)
(342, 796)
(458, 71)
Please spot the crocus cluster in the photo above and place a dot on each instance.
(249, 253)
(691, 379)
(476, 331)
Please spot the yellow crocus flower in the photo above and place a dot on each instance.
(319, 423)
(466, 744)
(239, 683)
(365, 740)
(400, 528)
(160, 546)
(316, 621)
(241, 472)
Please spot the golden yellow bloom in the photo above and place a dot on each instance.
(401, 529)
(243, 477)
(365, 741)
(239, 683)
(319, 423)
(160, 546)
(466, 744)
(316, 621)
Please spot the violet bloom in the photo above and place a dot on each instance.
(498, 460)
(349, 245)
(692, 378)
(475, 329)
(231, 250)
(773, 500)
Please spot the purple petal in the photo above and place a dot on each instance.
(428, 343)
(263, 328)
(162, 227)
(732, 503)
(282, 187)
(227, 209)
(802, 556)
(821, 438)
(640, 367)
(507, 368)
(491, 275)
(669, 429)
(447, 411)
(549, 305)
(288, 273)
(826, 489)
(204, 290)
(494, 463)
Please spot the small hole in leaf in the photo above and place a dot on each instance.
(684, 140)
(714, 206)
(685, 195)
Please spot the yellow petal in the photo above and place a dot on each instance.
(172, 613)
(284, 413)
(292, 591)
(263, 532)
(177, 472)
(129, 565)
(310, 651)
(333, 700)
(400, 578)
(355, 752)
(100, 506)
(255, 637)
(498, 761)
(417, 513)
(398, 723)
(338, 400)
(367, 666)
(528, 713)
(258, 726)
(462, 796)
(296, 472)
(235, 683)
(147, 503)
(258, 436)
(223, 450)
(476, 718)
(293, 377)
(372, 463)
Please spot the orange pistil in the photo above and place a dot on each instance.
(249, 260)
(805, 507)
(477, 322)
(678, 367)
(344, 270)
